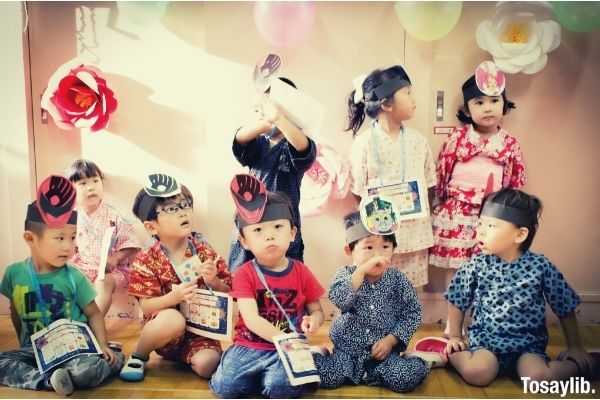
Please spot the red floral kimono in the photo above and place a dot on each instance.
(484, 165)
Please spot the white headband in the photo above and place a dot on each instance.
(358, 88)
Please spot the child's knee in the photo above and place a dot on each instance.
(536, 373)
(479, 374)
(331, 375)
(406, 376)
(170, 322)
(205, 362)
(91, 370)
(223, 387)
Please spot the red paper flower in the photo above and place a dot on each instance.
(77, 97)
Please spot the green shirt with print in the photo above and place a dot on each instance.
(61, 298)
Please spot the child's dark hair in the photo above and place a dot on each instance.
(284, 80)
(36, 227)
(83, 169)
(371, 105)
(463, 113)
(386, 238)
(529, 204)
(154, 202)
(272, 198)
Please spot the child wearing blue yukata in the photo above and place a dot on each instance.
(507, 286)
(45, 288)
(380, 313)
(278, 153)
(275, 295)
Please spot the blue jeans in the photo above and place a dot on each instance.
(246, 372)
(18, 369)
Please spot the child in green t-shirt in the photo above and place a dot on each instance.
(43, 289)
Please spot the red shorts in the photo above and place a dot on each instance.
(184, 347)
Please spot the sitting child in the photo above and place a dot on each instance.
(95, 216)
(251, 366)
(508, 286)
(165, 208)
(380, 313)
(44, 288)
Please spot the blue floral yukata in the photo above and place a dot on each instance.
(508, 301)
(377, 309)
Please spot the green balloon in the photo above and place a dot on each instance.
(578, 16)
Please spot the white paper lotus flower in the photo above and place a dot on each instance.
(520, 36)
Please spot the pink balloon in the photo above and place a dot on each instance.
(284, 24)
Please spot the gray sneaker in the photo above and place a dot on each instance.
(61, 382)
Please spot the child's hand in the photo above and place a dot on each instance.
(271, 112)
(208, 271)
(109, 355)
(310, 323)
(375, 262)
(183, 291)
(381, 349)
(112, 262)
(256, 120)
(455, 344)
(580, 357)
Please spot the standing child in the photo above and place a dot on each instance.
(95, 216)
(165, 208)
(278, 153)
(380, 313)
(508, 286)
(478, 158)
(390, 154)
(275, 294)
(44, 288)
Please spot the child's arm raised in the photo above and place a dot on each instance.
(292, 133)
(256, 126)
(96, 323)
(257, 324)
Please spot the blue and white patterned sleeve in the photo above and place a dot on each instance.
(561, 297)
(461, 290)
(341, 293)
(410, 313)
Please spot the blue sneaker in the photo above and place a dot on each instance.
(133, 370)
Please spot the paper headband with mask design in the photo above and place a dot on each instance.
(251, 202)
(383, 90)
(55, 202)
(158, 185)
(506, 213)
(487, 81)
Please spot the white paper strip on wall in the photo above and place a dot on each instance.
(303, 110)
(104, 251)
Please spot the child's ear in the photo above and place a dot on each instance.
(522, 235)
(243, 242)
(386, 106)
(294, 231)
(151, 227)
(347, 250)
(29, 237)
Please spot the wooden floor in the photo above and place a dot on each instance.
(165, 379)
